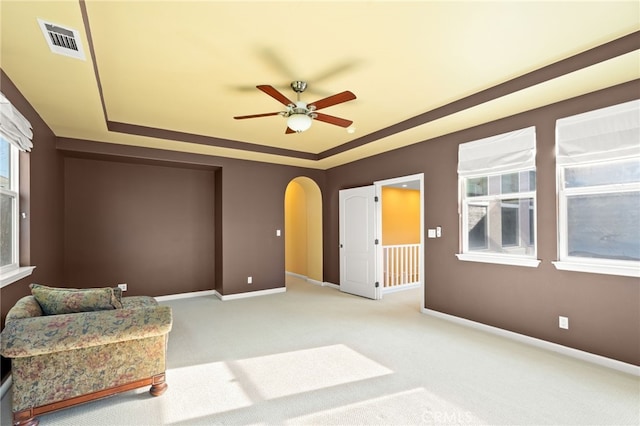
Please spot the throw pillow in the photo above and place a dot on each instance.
(55, 300)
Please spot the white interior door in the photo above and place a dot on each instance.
(357, 242)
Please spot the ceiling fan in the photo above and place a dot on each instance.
(299, 114)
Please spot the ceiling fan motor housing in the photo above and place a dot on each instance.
(301, 108)
(299, 86)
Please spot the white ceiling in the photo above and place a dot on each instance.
(188, 68)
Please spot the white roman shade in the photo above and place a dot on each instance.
(605, 134)
(498, 154)
(14, 127)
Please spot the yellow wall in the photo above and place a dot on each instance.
(400, 216)
(303, 228)
(295, 229)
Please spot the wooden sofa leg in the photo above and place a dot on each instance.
(159, 385)
(25, 418)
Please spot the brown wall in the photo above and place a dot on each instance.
(150, 225)
(247, 209)
(41, 198)
(604, 310)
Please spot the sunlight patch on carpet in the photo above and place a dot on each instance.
(202, 390)
(290, 373)
(415, 406)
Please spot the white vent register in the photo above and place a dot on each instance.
(61, 40)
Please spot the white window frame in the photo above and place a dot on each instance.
(492, 257)
(512, 152)
(14, 193)
(570, 154)
(16, 131)
(587, 264)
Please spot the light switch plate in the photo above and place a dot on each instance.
(563, 322)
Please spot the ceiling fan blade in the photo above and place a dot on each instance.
(333, 120)
(273, 92)
(288, 131)
(333, 100)
(267, 114)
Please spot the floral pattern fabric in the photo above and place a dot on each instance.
(56, 357)
(48, 378)
(26, 307)
(55, 333)
(55, 300)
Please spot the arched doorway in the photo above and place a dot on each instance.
(303, 229)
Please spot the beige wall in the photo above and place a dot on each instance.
(295, 229)
(303, 228)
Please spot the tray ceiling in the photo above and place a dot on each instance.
(172, 74)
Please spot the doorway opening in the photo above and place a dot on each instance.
(303, 229)
(400, 227)
(382, 237)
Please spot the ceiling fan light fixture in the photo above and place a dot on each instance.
(299, 122)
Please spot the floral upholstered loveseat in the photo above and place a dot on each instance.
(69, 346)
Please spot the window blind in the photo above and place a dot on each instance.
(498, 154)
(604, 134)
(14, 127)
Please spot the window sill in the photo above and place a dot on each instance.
(626, 271)
(15, 275)
(501, 260)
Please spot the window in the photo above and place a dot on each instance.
(15, 136)
(598, 170)
(8, 206)
(497, 199)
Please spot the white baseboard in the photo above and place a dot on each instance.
(328, 284)
(6, 385)
(294, 274)
(250, 294)
(186, 295)
(312, 281)
(543, 344)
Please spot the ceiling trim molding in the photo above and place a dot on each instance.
(92, 56)
(154, 132)
(593, 56)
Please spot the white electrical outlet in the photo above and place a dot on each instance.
(123, 287)
(249, 280)
(563, 322)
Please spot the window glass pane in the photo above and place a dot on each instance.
(532, 229)
(528, 181)
(509, 222)
(495, 185)
(604, 226)
(603, 174)
(6, 234)
(5, 164)
(476, 186)
(477, 216)
(502, 226)
(510, 183)
(532, 180)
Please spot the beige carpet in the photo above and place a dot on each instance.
(315, 356)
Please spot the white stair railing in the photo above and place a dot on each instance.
(400, 265)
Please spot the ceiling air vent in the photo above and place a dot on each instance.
(61, 40)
